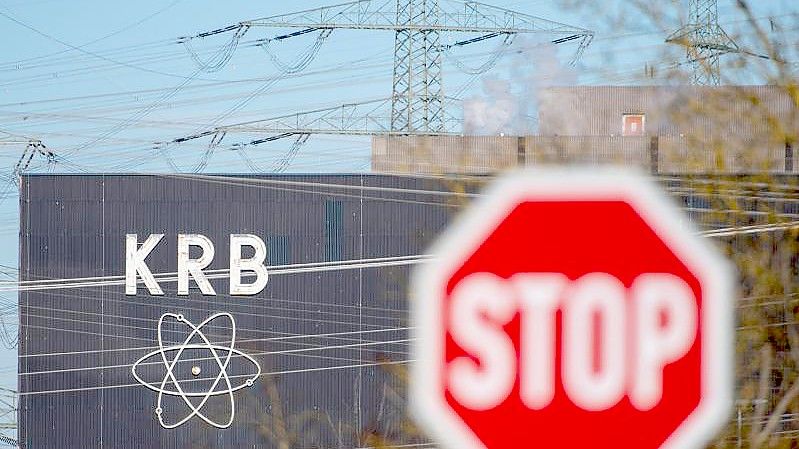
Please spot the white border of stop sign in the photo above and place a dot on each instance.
(715, 274)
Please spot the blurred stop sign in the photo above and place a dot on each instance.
(573, 309)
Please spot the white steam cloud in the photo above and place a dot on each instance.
(509, 104)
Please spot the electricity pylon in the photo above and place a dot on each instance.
(33, 147)
(704, 41)
(417, 100)
(8, 417)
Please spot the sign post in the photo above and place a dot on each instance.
(573, 309)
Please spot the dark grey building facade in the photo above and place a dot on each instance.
(329, 337)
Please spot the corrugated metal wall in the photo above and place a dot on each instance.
(74, 226)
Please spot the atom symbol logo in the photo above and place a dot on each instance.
(220, 356)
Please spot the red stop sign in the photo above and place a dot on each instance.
(573, 309)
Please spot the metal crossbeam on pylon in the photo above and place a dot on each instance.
(367, 118)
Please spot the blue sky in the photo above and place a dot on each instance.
(128, 84)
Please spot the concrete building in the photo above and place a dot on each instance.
(664, 129)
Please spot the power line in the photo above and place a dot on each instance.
(317, 267)
(222, 273)
(196, 359)
(99, 39)
(287, 337)
(82, 50)
(273, 373)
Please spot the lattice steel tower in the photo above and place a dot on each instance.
(704, 41)
(418, 96)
